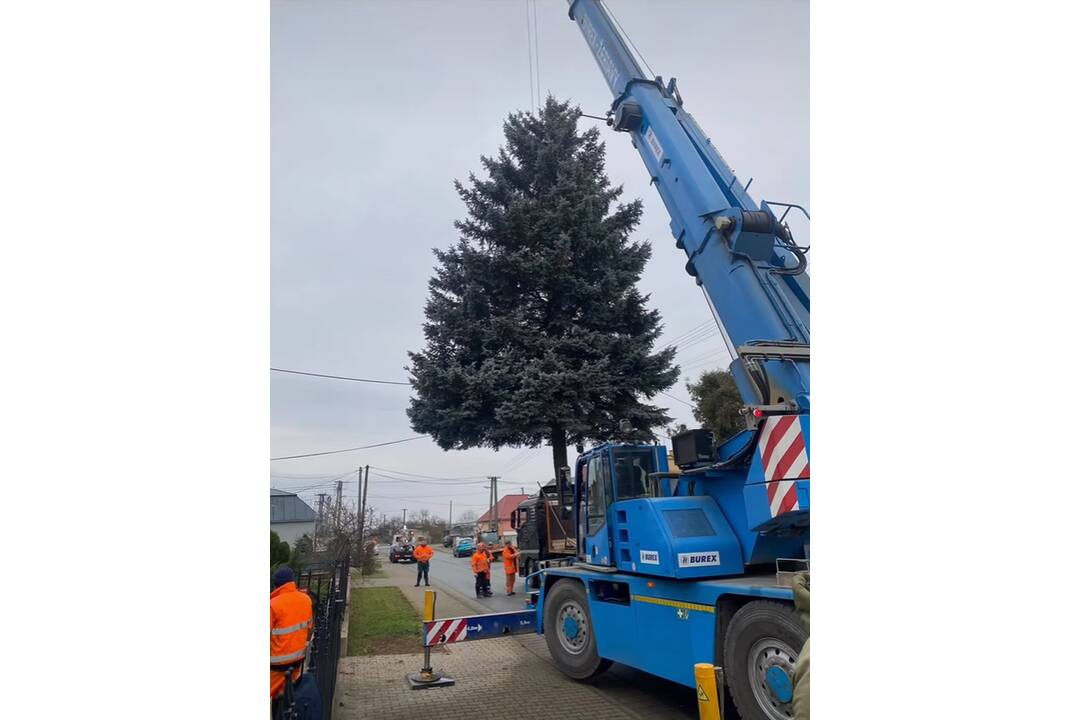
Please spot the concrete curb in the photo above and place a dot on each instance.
(343, 649)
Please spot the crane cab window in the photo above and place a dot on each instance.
(632, 469)
(690, 522)
(599, 479)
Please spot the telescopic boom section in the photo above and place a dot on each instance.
(739, 252)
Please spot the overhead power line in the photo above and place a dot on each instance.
(338, 377)
(443, 483)
(428, 477)
(345, 450)
(693, 337)
(675, 398)
(684, 346)
(515, 465)
(706, 356)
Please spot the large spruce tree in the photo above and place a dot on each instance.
(535, 329)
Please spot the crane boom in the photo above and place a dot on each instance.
(740, 254)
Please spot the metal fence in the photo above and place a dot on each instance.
(328, 584)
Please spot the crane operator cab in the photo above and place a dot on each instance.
(625, 518)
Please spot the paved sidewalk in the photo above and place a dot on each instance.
(510, 677)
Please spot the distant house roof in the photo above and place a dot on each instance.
(507, 504)
(287, 507)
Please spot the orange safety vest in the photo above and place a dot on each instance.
(510, 556)
(481, 562)
(290, 627)
(423, 553)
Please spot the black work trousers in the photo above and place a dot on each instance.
(421, 569)
(483, 583)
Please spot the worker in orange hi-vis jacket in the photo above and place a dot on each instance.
(422, 553)
(510, 565)
(481, 567)
(290, 628)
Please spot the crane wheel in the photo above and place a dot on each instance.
(761, 645)
(569, 631)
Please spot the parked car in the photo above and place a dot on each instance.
(449, 540)
(402, 552)
(463, 547)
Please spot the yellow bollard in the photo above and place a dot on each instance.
(429, 606)
(708, 695)
(427, 677)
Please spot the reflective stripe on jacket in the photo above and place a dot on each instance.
(481, 562)
(290, 627)
(423, 553)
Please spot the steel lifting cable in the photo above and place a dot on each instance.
(626, 36)
(529, 35)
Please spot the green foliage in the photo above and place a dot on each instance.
(279, 551)
(302, 552)
(717, 403)
(535, 328)
(370, 564)
(303, 546)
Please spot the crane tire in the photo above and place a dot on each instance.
(761, 644)
(569, 631)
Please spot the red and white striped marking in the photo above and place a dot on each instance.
(783, 457)
(445, 631)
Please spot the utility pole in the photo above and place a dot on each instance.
(363, 509)
(318, 522)
(450, 519)
(493, 503)
(402, 518)
(337, 513)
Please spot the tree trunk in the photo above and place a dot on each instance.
(558, 449)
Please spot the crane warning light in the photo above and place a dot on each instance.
(758, 413)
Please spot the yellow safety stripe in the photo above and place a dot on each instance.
(675, 603)
(278, 659)
(291, 628)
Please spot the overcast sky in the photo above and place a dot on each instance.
(378, 106)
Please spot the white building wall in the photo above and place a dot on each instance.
(290, 531)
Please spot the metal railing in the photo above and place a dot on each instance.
(327, 582)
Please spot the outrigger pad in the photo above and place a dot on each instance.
(417, 682)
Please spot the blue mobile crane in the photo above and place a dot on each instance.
(674, 568)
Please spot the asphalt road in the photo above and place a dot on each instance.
(456, 574)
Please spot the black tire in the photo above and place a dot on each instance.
(568, 596)
(766, 634)
(393, 559)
